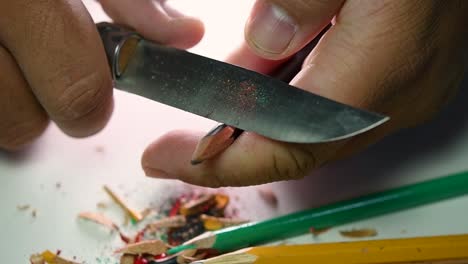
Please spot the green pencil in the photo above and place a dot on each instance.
(405, 197)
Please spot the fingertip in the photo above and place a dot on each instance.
(87, 112)
(168, 152)
(187, 32)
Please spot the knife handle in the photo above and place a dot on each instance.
(119, 44)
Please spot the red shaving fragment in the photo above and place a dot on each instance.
(175, 208)
(139, 236)
(140, 260)
(124, 238)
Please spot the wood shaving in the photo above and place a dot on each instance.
(36, 259)
(101, 205)
(167, 222)
(23, 207)
(317, 232)
(49, 258)
(127, 259)
(196, 205)
(222, 201)
(99, 219)
(135, 215)
(215, 223)
(153, 247)
(99, 149)
(358, 233)
(126, 220)
(34, 213)
(146, 212)
(269, 197)
(189, 256)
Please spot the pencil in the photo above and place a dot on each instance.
(222, 136)
(215, 142)
(434, 249)
(251, 234)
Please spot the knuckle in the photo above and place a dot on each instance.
(290, 165)
(80, 97)
(17, 135)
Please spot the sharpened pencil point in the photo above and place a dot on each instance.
(196, 162)
(214, 142)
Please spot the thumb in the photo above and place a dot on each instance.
(279, 28)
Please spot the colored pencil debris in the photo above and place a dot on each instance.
(359, 233)
(49, 258)
(99, 219)
(269, 197)
(182, 219)
(135, 215)
(23, 207)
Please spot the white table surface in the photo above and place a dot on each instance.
(112, 157)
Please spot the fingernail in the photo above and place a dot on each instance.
(271, 29)
(151, 172)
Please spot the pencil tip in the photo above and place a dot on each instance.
(196, 162)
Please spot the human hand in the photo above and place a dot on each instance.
(401, 58)
(53, 65)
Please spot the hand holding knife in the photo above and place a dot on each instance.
(240, 99)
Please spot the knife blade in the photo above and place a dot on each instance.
(227, 93)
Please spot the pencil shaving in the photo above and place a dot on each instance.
(197, 205)
(99, 219)
(153, 247)
(222, 201)
(49, 258)
(317, 232)
(23, 207)
(269, 197)
(215, 223)
(134, 214)
(101, 205)
(186, 256)
(359, 233)
(127, 259)
(167, 222)
(36, 259)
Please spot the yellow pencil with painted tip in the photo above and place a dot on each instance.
(450, 249)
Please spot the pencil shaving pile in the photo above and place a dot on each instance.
(188, 216)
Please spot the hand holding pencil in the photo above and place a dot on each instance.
(381, 56)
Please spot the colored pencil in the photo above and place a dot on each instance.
(435, 249)
(251, 234)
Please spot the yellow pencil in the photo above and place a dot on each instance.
(450, 249)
